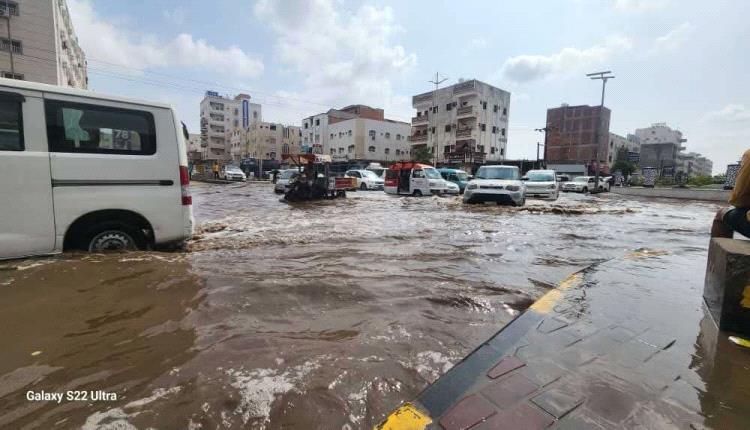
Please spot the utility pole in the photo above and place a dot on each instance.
(10, 40)
(437, 81)
(601, 76)
(544, 130)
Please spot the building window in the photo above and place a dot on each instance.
(350, 149)
(331, 135)
(305, 125)
(502, 131)
(9, 75)
(349, 133)
(11, 123)
(317, 122)
(494, 108)
(341, 150)
(492, 150)
(371, 149)
(398, 137)
(255, 114)
(387, 151)
(505, 112)
(483, 127)
(448, 106)
(6, 45)
(387, 135)
(398, 152)
(447, 127)
(446, 149)
(78, 127)
(333, 151)
(434, 109)
(494, 129)
(502, 151)
(433, 130)
(484, 105)
(372, 134)
(9, 8)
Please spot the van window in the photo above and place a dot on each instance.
(77, 127)
(11, 124)
(417, 174)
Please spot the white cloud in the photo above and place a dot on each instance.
(104, 41)
(640, 5)
(672, 40)
(344, 56)
(569, 61)
(477, 43)
(730, 113)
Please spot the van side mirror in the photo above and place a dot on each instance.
(524, 178)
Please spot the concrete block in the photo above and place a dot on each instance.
(727, 286)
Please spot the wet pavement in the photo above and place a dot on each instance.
(324, 315)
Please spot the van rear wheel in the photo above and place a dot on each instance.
(111, 236)
(417, 193)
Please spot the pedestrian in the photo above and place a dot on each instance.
(736, 218)
(215, 169)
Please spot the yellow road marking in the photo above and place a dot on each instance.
(407, 417)
(547, 302)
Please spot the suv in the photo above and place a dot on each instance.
(501, 184)
(584, 184)
(89, 171)
(541, 183)
(232, 173)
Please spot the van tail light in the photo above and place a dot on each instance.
(187, 199)
(391, 182)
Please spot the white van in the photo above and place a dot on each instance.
(80, 170)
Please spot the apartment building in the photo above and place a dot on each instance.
(578, 135)
(221, 117)
(693, 164)
(661, 146)
(462, 123)
(38, 43)
(356, 132)
(617, 142)
(266, 140)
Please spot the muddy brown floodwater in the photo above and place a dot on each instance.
(314, 316)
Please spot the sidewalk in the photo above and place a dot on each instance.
(624, 344)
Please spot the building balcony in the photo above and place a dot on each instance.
(465, 111)
(417, 120)
(418, 138)
(464, 157)
(467, 132)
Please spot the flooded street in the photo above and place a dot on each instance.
(313, 316)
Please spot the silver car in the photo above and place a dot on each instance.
(284, 180)
(542, 184)
(501, 184)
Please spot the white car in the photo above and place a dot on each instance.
(232, 173)
(451, 188)
(584, 184)
(541, 184)
(284, 180)
(500, 184)
(87, 171)
(366, 179)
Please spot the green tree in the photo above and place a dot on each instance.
(422, 154)
(625, 166)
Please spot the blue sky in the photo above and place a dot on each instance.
(682, 62)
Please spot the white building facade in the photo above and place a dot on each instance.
(266, 140)
(42, 46)
(462, 123)
(221, 119)
(356, 132)
(659, 133)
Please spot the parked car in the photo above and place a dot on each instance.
(416, 179)
(563, 178)
(584, 184)
(541, 183)
(455, 176)
(80, 170)
(232, 173)
(366, 180)
(284, 180)
(501, 184)
(377, 169)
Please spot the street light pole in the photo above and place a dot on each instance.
(544, 130)
(437, 81)
(602, 76)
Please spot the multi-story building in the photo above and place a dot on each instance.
(356, 132)
(267, 141)
(221, 117)
(660, 148)
(578, 135)
(693, 164)
(616, 143)
(38, 44)
(463, 123)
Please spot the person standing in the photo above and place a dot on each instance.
(736, 218)
(215, 169)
